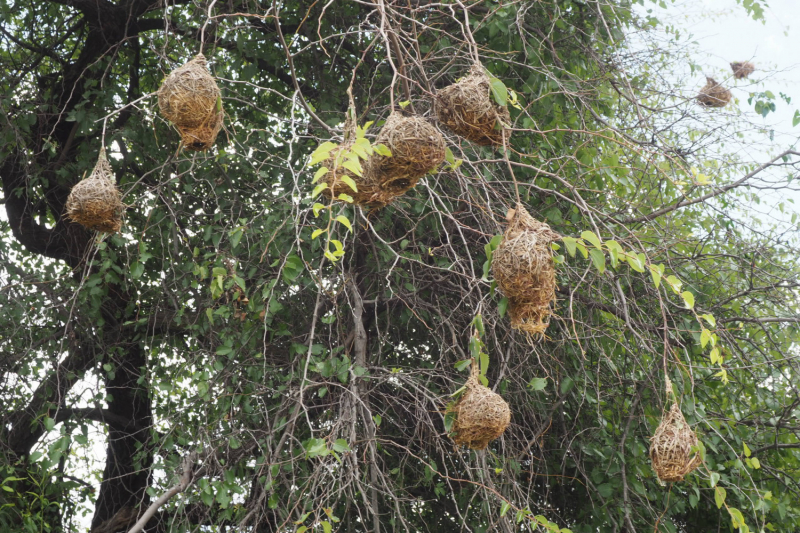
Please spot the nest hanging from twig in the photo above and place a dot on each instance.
(468, 109)
(479, 415)
(416, 147)
(713, 94)
(191, 99)
(671, 447)
(524, 269)
(742, 69)
(94, 202)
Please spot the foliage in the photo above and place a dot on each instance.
(310, 375)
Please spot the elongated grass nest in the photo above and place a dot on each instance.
(671, 447)
(94, 202)
(713, 94)
(468, 109)
(190, 98)
(523, 267)
(742, 69)
(416, 148)
(479, 415)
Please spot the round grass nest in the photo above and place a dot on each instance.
(479, 415)
(671, 447)
(468, 109)
(191, 99)
(742, 69)
(417, 148)
(94, 202)
(713, 94)
(524, 269)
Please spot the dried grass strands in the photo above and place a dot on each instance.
(417, 148)
(94, 202)
(479, 415)
(524, 269)
(191, 99)
(713, 94)
(742, 69)
(671, 447)
(468, 109)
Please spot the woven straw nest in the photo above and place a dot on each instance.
(671, 447)
(713, 94)
(468, 109)
(742, 69)
(417, 148)
(479, 416)
(95, 201)
(523, 267)
(190, 98)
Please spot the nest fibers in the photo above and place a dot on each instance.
(713, 94)
(468, 109)
(479, 415)
(671, 447)
(742, 69)
(524, 269)
(417, 148)
(190, 98)
(95, 201)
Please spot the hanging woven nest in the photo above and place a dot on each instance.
(416, 147)
(524, 269)
(671, 447)
(190, 99)
(94, 202)
(468, 109)
(742, 69)
(713, 94)
(479, 415)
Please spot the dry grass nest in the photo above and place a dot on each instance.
(524, 269)
(671, 447)
(713, 94)
(94, 202)
(468, 109)
(479, 415)
(417, 148)
(190, 99)
(742, 69)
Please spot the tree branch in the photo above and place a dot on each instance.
(186, 479)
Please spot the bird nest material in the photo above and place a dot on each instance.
(191, 99)
(742, 69)
(94, 202)
(524, 269)
(468, 109)
(479, 415)
(671, 447)
(713, 94)
(416, 147)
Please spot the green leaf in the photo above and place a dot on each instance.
(340, 445)
(688, 299)
(537, 384)
(317, 207)
(317, 232)
(321, 171)
(714, 355)
(796, 119)
(49, 423)
(714, 479)
(656, 273)
(326, 526)
(499, 91)
(464, 363)
(755, 463)
(484, 363)
(719, 496)
(598, 259)
(449, 157)
(747, 451)
(344, 221)
(502, 306)
(322, 152)
(593, 239)
(319, 188)
(569, 242)
(710, 319)
(137, 269)
(566, 385)
(504, 508)
(349, 181)
(705, 336)
(355, 168)
(382, 149)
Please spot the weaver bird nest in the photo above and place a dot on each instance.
(468, 109)
(191, 100)
(713, 94)
(524, 269)
(479, 415)
(671, 447)
(94, 202)
(416, 147)
(742, 69)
